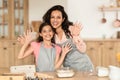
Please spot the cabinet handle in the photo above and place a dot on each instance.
(110, 48)
(91, 48)
(10, 78)
(3, 37)
(4, 48)
(13, 43)
(101, 43)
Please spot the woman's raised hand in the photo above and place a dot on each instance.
(75, 29)
(66, 48)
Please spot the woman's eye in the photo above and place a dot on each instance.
(52, 17)
(58, 17)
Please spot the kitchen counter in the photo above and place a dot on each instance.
(100, 39)
(77, 76)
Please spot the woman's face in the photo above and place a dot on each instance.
(47, 33)
(56, 19)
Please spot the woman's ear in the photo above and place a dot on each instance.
(63, 19)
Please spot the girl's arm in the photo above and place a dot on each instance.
(60, 58)
(26, 49)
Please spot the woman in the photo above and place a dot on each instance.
(66, 32)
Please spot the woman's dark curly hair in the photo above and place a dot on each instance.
(40, 38)
(66, 22)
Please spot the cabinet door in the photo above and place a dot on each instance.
(109, 54)
(4, 19)
(117, 46)
(26, 61)
(13, 18)
(6, 56)
(94, 50)
(16, 52)
(20, 17)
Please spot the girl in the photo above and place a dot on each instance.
(47, 54)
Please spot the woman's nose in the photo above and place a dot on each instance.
(55, 19)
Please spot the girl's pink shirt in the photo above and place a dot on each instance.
(36, 47)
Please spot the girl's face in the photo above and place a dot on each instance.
(47, 33)
(56, 19)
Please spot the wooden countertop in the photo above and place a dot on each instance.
(77, 76)
(100, 39)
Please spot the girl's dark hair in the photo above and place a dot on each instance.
(40, 38)
(66, 22)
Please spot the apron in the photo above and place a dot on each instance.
(46, 59)
(75, 59)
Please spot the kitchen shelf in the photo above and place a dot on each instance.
(19, 8)
(110, 8)
(3, 23)
(3, 7)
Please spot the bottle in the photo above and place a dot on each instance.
(112, 3)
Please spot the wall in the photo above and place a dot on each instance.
(37, 8)
(87, 13)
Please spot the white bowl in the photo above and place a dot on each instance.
(65, 73)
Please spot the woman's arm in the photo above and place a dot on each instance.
(75, 32)
(60, 58)
(80, 44)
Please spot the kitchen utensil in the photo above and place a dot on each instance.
(114, 73)
(65, 72)
(103, 19)
(117, 21)
(44, 75)
(11, 76)
(118, 34)
(102, 71)
(29, 70)
(118, 57)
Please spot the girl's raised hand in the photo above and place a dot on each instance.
(26, 37)
(21, 39)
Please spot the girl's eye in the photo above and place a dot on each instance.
(50, 30)
(44, 31)
(58, 17)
